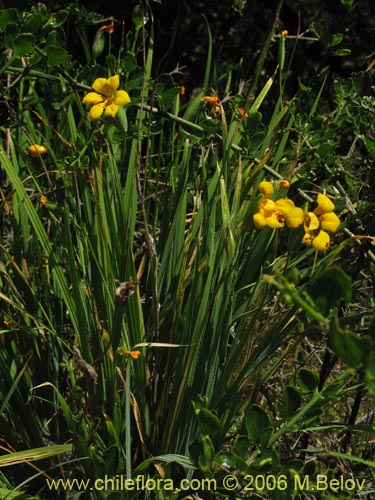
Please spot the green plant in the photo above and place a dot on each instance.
(145, 317)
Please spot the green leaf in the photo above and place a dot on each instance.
(225, 460)
(262, 94)
(370, 373)
(347, 3)
(15, 495)
(205, 460)
(34, 22)
(291, 402)
(8, 16)
(242, 446)
(208, 422)
(23, 44)
(137, 17)
(303, 87)
(208, 449)
(130, 61)
(257, 423)
(200, 402)
(351, 348)
(335, 40)
(307, 379)
(57, 55)
(34, 454)
(362, 83)
(240, 5)
(343, 52)
(168, 97)
(112, 63)
(330, 287)
(253, 121)
(169, 458)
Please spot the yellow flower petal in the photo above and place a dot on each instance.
(114, 82)
(106, 86)
(36, 150)
(321, 242)
(275, 221)
(307, 239)
(96, 111)
(266, 188)
(92, 98)
(285, 205)
(122, 98)
(311, 222)
(111, 110)
(324, 205)
(269, 207)
(259, 220)
(101, 85)
(294, 218)
(330, 222)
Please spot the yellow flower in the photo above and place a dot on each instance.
(106, 98)
(320, 242)
(318, 222)
(311, 222)
(43, 200)
(325, 205)
(276, 214)
(259, 220)
(37, 150)
(293, 215)
(266, 188)
(330, 222)
(268, 215)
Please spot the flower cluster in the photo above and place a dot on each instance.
(318, 222)
(277, 213)
(281, 212)
(106, 98)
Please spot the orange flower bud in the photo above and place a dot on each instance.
(243, 112)
(211, 100)
(109, 28)
(10, 323)
(132, 354)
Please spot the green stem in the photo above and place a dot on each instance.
(128, 423)
(265, 49)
